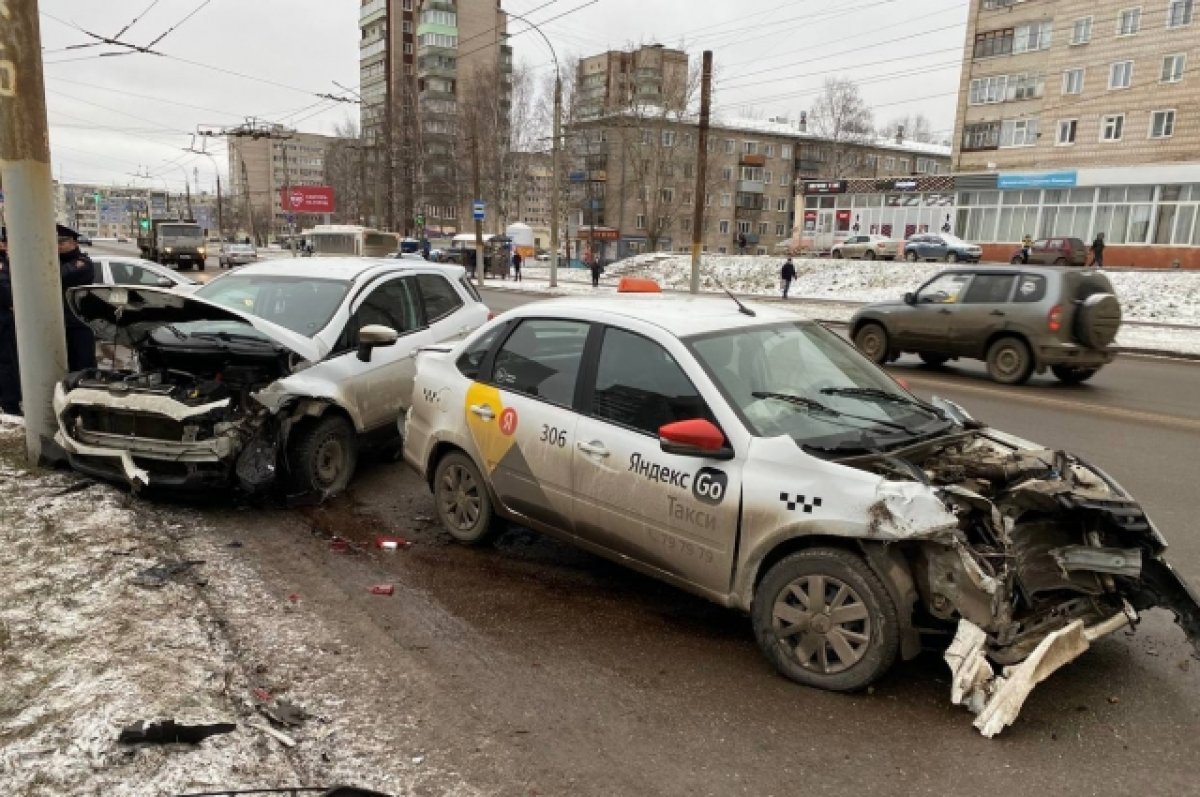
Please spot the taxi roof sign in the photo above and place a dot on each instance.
(638, 285)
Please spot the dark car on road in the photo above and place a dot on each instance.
(941, 246)
(1017, 320)
(1053, 252)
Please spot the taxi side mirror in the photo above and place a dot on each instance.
(373, 336)
(694, 438)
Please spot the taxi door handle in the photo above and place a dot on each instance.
(594, 449)
(944, 311)
(996, 312)
(483, 411)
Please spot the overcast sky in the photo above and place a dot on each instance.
(116, 117)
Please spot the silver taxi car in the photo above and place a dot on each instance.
(760, 461)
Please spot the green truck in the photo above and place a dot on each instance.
(173, 242)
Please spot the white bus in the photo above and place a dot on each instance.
(350, 240)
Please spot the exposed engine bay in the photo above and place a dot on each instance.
(1049, 553)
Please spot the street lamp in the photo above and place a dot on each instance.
(555, 149)
(220, 204)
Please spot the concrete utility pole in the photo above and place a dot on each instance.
(25, 165)
(701, 169)
(389, 178)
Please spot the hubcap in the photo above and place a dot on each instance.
(871, 343)
(823, 624)
(460, 499)
(331, 458)
(1008, 361)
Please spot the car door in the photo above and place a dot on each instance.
(123, 272)
(522, 421)
(982, 311)
(677, 514)
(926, 326)
(442, 303)
(378, 390)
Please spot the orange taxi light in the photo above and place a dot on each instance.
(638, 285)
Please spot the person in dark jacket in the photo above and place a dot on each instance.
(786, 275)
(10, 376)
(516, 263)
(75, 269)
(1098, 251)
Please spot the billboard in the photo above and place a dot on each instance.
(307, 199)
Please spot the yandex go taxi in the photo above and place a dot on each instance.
(760, 461)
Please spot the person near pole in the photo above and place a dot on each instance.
(75, 269)
(10, 377)
(1026, 248)
(786, 275)
(594, 263)
(1098, 251)
(516, 262)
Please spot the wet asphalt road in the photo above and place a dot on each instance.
(556, 672)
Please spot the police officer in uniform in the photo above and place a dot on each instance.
(76, 269)
(10, 377)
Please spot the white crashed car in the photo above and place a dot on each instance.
(760, 461)
(278, 369)
(116, 270)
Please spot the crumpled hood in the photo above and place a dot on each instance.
(128, 314)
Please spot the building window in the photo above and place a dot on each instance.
(727, 173)
(668, 138)
(764, 227)
(1067, 129)
(1073, 81)
(408, 48)
(1129, 21)
(730, 146)
(769, 150)
(767, 177)
(1018, 133)
(988, 90)
(979, 136)
(408, 5)
(749, 147)
(407, 27)
(1032, 37)
(1120, 75)
(1081, 31)
(726, 200)
(889, 164)
(1179, 13)
(781, 204)
(1172, 68)
(1112, 127)
(781, 230)
(1162, 124)
(903, 165)
(640, 222)
(708, 200)
(784, 180)
(785, 152)
(667, 195)
(994, 42)
(723, 227)
(743, 227)
(1027, 87)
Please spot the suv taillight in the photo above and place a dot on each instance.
(1054, 318)
(491, 315)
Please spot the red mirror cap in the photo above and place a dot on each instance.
(697, 433)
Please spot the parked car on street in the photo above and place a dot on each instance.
(941, 246)
(759, 461)
(236, 255)
(1053, 252)
(272, 374)
(115, 270)
(867, 247)
(1017, 320)
(84, 240)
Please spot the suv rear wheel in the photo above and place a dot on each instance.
(824, 619)
(872, 340)
(1009, 361)
(322, 456)
(1072, 375)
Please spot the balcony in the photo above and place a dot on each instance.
(753, 160)
(751, 187)
(372, 11)
(374, 48)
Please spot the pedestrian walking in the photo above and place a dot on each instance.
(517, 261)
(741, 243)
(786, 275)
(1026, 247)
(10, 375)
(1098, 251)
(75, 269)
(594, 263)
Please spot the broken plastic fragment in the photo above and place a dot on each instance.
(170, 732)
(382, 589)
(389, 543)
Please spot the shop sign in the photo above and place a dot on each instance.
(1012, 181)
(825, 187)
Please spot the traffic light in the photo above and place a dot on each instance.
(144, 224)
(96, 196)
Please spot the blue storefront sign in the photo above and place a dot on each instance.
(1042, 180)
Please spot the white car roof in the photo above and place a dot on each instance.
(350, 269)
(680, 316)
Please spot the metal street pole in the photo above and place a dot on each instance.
(701, 170)
(478, 222)
(25, 165)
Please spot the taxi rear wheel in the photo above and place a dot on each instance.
(462, 501)
(824, 619)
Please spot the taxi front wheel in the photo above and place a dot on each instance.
(462, 501)
(824, 619)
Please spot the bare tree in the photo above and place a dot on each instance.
(841, 117)
(910, 127)
(346, 173)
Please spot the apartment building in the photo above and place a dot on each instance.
(1082, 116)
(633, 180)
(428, 57)
(612, 81)
(261, 166)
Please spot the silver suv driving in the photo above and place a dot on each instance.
(1018, 320)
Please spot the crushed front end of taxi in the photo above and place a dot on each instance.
(1048, 555)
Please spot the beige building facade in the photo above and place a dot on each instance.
(651, 75)
(257, 176)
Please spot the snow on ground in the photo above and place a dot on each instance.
(86, 652)
(831, 290)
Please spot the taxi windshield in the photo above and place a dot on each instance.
(799, 379)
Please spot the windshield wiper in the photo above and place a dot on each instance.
(824, 409)
(881, 395)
